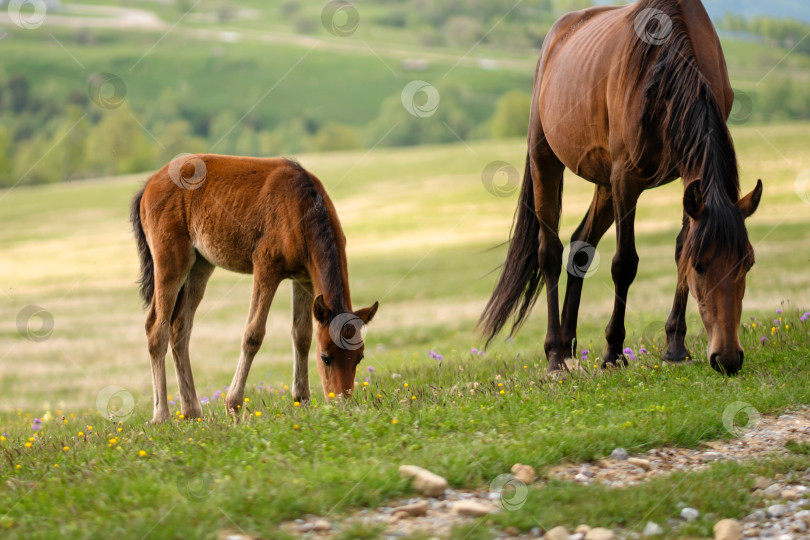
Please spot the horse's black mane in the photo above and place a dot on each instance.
(320, 236)
(681, 106)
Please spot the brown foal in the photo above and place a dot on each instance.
(631, 98)
(266, 217)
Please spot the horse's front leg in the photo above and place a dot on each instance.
(302, 298)
(676, 324)
(625, 263)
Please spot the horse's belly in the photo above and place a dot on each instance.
(226, 253)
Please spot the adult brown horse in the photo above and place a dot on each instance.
(268, 217)
(631, 98)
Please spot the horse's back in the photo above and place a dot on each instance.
(228, 207)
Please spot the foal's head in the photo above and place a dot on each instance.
(340, 345)
(715, 260)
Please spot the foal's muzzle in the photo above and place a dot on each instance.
(727, 364)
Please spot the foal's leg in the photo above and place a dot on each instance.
(302, 296)
(676, 324)
(187, 303)
(596, 222)
(626, 192)
(171, 268)
(265, 283)
(547, 176)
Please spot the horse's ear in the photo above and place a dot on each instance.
(749, 204)
(321, 312)
(366, 314)
(693, 200)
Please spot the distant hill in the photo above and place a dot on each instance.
(792, 9)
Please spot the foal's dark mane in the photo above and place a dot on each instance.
(696, 139)
(320, 237)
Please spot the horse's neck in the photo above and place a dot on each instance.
(329, 276)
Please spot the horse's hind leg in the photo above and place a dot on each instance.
(182, 321)
(676, 324)
(171, 268)
(547, 177)
(302, 297)
(583, 246)
(265, 283)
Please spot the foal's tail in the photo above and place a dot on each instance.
(147, 279)
(521, 281)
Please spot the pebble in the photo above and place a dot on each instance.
(411, 510)
(512, 531)
(577, 536)
(640, 463)
(620, 454)
(583, 528)
(761, 483)
(600, 533)
(728, 529)
(424, 481)
(711, 456)
(557, 533)
(790, 494)
(689, 514)
(652, 529)
(524, 473)
(773, 490)
(471, 508)
(320, 525)
(777, 510)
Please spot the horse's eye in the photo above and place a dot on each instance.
(326, 360)
(700, 268)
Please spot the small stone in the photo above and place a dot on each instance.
(798, 526)
(803, 515)
(321, 525)
(652, 529)
(761, 483)
(756, 515)
(600, 533)
(512, 531)
(471, 508)
(535, 531)
(689, 514)
(790, 494)
(524, 473)
(728, 529)
(424, 481)
(412, 510)
(582, 478)
(754, 531)
(557, 533)
(583, 528)
(640, 463)
(773, 490)
(777, 510)
(620, 454)
(577, 536)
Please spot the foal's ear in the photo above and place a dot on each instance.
(366, 314)
(321, 312)
(749, 204)
(693, 200)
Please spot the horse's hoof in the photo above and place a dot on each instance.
(677, 355)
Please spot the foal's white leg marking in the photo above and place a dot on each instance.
(302, 297)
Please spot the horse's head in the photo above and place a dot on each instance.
(339, 345)
(715, 260)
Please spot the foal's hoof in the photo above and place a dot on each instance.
(614, 360)
(556, 363)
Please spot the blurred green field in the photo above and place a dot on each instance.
(425, 238)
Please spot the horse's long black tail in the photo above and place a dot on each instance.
(521, 281)
(147, 279)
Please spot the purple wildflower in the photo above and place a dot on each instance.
(585, 354)
(370, 369)
(203, 400)
(171, 402)
(777, 322)
(763, 340)
(368, 379)
(473, 351)
(216, 395)
(643, 351)
(778, 311)
(805, 317)
(436, 356)
(37, 424)
(628, 352)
